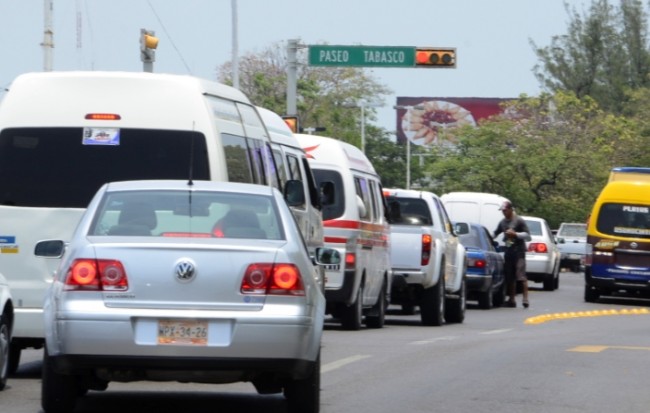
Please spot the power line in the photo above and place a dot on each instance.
(169, 37)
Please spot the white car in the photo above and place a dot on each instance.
(6, 324)
(542, 254)
(184, 281)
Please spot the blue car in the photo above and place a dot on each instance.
(485, 277)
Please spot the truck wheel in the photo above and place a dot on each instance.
(455, 307)
(485, 298)
(432, 304)
(377, 315)
(58, 391)
(351, 315)
(591, 294)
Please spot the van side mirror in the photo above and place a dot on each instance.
(49, 249)
(327, 193)
(294, 193)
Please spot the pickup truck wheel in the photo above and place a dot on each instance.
(14, 357)
(549, 282)
(455, 307)
(377, 315)
(485, 298)
(432, 304)
(591, 294)
(351, 315)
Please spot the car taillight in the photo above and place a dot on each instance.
(274, 279)
(350, 261)
(96, 275)
(426, 249)
(537, 247)
(476, 263)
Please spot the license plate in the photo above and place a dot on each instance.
(183, 332)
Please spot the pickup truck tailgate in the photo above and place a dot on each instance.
(406, 246)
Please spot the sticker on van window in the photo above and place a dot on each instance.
(101, 136)
(8, 244)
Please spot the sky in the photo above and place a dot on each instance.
(492, 38)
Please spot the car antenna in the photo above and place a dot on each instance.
(190, 182)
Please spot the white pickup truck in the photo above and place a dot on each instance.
(572, 242)
(428, 261)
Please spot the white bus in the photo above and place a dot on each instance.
(64, 134)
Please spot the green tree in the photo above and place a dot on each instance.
(324, 93)
(550, 155)
(603, 55)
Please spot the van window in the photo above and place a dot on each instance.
(624, 220)
(238, 162)
(294, 168)
(363, 191)
(279, 163)
(374, 191)
(335, 208)
(50, 167)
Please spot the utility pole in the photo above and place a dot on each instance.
(292, 75)
(235, 46)
(48, 36)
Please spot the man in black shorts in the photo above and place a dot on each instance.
(515, 234)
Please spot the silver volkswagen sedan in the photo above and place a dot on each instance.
(200, 281)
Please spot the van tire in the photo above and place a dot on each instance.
(432, 303)
(351, 315)
(377, 314)
(591, 294)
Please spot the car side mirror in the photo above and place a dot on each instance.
(49, 249)
(327, 256)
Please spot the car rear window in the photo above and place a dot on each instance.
(184, 214)
(535, 227)
(409, 211)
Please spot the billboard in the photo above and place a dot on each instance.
(431, 120)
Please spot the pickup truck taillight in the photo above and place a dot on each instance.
(537, 247)
(426, 249)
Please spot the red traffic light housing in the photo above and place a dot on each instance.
(435, 57)
(292, 123)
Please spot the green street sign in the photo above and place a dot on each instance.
(362, 56)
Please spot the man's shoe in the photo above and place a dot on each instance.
(510, 304)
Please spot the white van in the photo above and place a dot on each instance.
(64, 134)
(292, 164)
(355, 224)
(478, 207)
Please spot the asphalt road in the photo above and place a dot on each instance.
(560, 355)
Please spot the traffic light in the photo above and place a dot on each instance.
(435, 57)
(292, 123)
(148, 45)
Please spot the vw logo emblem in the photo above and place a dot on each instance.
(634, 245)
(185, 271)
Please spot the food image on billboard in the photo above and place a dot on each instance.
(431, 121)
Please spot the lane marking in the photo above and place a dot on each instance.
(433, 340)
(340, 363)
(503, 330)
(600, 349)
(578, 314)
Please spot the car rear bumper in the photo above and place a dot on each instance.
(476, 282)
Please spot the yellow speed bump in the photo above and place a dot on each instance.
(578, 314)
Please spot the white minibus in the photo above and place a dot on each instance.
(64, 134)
